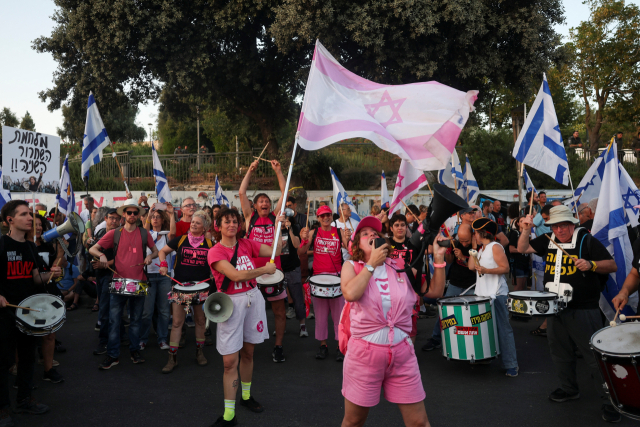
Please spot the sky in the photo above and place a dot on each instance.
(25, 72)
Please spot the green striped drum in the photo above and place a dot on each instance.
(469, 330)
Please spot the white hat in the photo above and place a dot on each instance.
(559, 214)
(130, 203)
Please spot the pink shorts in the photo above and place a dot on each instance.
(369, 367)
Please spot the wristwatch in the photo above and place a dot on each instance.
(368, 267)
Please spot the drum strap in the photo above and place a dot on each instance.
(234, 261)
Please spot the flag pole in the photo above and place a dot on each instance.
(155, 181)
(113, 154)
(33, 199)
(286, 191)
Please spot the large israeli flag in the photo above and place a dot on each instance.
(610, 228)
(452, 175)
(162, 185)
(219, 197)
(95, 137)
(65, 198)
(340, 196)
(527, 182)
(384, 192)
(470, 188)
(5, 195)
(539, 144)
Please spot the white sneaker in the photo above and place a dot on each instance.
(303, 331)
(164, 346)
(311, 316)
(291, 313)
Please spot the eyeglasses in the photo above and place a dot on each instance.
(131, 212)
(191, 205)
(560, 226)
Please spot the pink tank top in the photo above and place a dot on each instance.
(263, 232)
(327, 256)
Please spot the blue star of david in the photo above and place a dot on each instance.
(627, 204)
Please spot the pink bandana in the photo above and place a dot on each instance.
(195, 241)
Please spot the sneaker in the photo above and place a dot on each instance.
(221, 422)
(278, 354)
(135, 357)
(97, 327)
(30, 406)
(164, 346)
(15, 385)
(322, 352)
(610, 415)
(189, 321)
(291, 313)
(13, 370)
(54, 362)
(143, 345)
(108, 362)
(339, 356)
(252, 405)
(513, 372)
(311, 316)
(5, 417)
(562, 396)
(53, 376)
(101, 349)
(59, 348)
(202, 361)
(303, 331)
(431, 345)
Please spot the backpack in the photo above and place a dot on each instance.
(144, 234)
(181, 241)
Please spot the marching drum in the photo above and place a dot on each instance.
(128, 287)
(271, 285)
(532, 303)
(49, 318)
(469, 331)
(325, 286)
(190, 293)
(617, 351)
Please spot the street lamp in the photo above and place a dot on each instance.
(150, 137)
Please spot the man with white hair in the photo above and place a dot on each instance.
(585, 215)
(593, 205)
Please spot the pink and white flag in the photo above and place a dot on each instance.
(419, 122)
(409, 181)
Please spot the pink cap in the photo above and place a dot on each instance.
(369, 221)
(323, 210)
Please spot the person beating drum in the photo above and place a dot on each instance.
(326, 243)
(380, 353)
(232, 261)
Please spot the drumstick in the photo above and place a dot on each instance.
(616, 316)
(308, 206)
(558, 246)
(51, 275)
(264, 160)
(630, 317)
(114, 272)
(265, 147)
(175, 279)
(24, 308)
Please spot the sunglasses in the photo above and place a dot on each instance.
(131, 212)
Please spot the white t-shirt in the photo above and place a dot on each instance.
(99, 227)
(160, 239)
(85, 214)
(352, 224)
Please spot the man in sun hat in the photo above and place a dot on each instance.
(583, 274)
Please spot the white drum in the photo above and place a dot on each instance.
(271, 285)
(49, 318)
(532, 303)
(325, 286)
(189, 293)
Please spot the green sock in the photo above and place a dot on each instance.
(229, 409)
(246, 390)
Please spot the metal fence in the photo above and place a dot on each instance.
(625, 155)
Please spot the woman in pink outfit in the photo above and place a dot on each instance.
(380, 352)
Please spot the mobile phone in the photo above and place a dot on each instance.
(160, 206)
(379, 242)
(142, 194)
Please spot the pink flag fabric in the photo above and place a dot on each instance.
(409, 181)
(419, 122)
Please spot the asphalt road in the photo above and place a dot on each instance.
(302, 391)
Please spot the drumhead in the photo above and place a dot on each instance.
(325, 279)
(462, 299)
(192, 288)
(623, 339)
(532, 295)
(271, 279)
(52, 311)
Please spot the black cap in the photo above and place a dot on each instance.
(113, 211)
(468, 210)
(485, 224)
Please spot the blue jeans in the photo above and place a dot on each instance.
(117, 303)
(505, 333)
(159, 287)
(102, 289)
(452, 291)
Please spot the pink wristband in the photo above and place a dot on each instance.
(164, 264)
(303, 242)
(443, 265)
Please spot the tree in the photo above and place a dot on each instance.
(461, 43)
(605, 62)
(8, 118)
(27, 122)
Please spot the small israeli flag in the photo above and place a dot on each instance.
(162, 185)
(65, 199)
(340, 196)
(527, 182)
(95, 137)
(220, 198)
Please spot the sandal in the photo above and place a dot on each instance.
(96, 307)
(539, 332)
(72, 307)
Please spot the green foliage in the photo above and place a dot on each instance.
(8, 118)
(27, 122)
(222, 131)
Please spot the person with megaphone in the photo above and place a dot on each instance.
(233, 262)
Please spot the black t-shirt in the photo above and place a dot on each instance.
(502, 225)
(520, 261)
(588, 225)
(289, 259)
(407, 251)
(48, 253)
(586, 285)
(17, 261)
(102, 272)
(459, 274)
(191, 263)
(636, 255)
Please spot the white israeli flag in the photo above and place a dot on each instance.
(95, 137)
(340, 196)
(65, 199)
(220, 198)
(539, 144)
(470, 185)
(527, 182)
(452, 175)
(162, 185)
